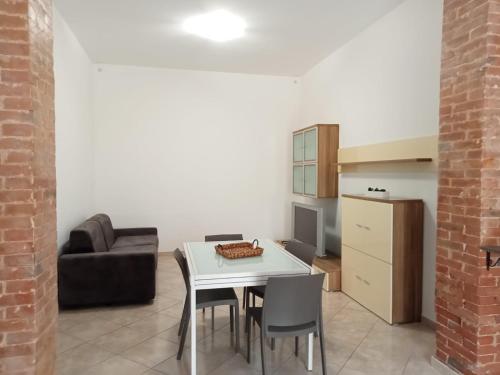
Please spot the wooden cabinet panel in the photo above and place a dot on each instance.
(368, 280)
(367, 227)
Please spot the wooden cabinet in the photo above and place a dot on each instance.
(382, 241)
(315, 161)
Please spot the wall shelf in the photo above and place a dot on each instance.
(418, 150)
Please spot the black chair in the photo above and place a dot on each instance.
(205, 298)
(303, 251)
(224, 237)
(292, 307)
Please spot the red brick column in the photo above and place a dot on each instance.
(468, 296)
(28, 305)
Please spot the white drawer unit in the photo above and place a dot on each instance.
(382, 243)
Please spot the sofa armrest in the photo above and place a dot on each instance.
(122, 232)
(106, 277)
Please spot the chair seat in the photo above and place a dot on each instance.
(215, 297)
(259, 291)
(277, 331)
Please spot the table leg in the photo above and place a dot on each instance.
(193, 329)
(310, 344)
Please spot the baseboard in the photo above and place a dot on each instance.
(441, 367)
(429, 323)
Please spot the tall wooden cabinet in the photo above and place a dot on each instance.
(315, 161)
(382, 241)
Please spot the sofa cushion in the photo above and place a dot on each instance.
(107, 228)
(151, 248)
(86, 238)
(133, 249)
(148, 239)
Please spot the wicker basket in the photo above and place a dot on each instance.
(239, 250)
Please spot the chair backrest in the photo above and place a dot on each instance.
(303, 251)
(292, 301)
(223, 237)
(182, 262)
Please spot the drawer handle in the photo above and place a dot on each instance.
(366, 282)
(363, 227)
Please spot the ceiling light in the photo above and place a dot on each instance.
(219, 26)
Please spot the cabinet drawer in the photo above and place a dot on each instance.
(368, 281)
(367, 227)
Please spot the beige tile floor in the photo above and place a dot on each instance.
(142, 339)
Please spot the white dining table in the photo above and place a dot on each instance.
(208, 270)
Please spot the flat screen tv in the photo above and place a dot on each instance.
(308, 226)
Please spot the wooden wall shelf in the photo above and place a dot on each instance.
(417, 150)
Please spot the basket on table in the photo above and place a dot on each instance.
(239, 250)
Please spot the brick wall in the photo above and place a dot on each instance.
(28, 308)
(468, 296)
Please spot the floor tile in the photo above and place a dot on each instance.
(66, 342)
(206, 363)
(117, 365)
(152, 372)
(419, 366)
(297, 366)
(92, 329)
(151, 352)
(120, 340)
(142, 339)
(154, 324)
(79, 359)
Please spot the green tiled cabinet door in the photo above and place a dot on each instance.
(298, 147)
(310, 145)
(298, 179)
(310, 183)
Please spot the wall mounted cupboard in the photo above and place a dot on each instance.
(315, 161)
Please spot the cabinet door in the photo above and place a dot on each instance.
(310, 183)
(298, 179)
(310, 138)
(367, 227)
(368, 281)
(298, 147)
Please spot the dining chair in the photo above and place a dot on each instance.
(303, 251)
(206, 298)
(225, 237)
(292, 307)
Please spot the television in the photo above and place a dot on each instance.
(308, 226)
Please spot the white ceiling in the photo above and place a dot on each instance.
(284, 37)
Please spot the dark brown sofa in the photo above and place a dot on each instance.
(103, 265)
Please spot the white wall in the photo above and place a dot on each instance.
(202, 152)
(384, 85)
(193, 153)
(74, 146)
